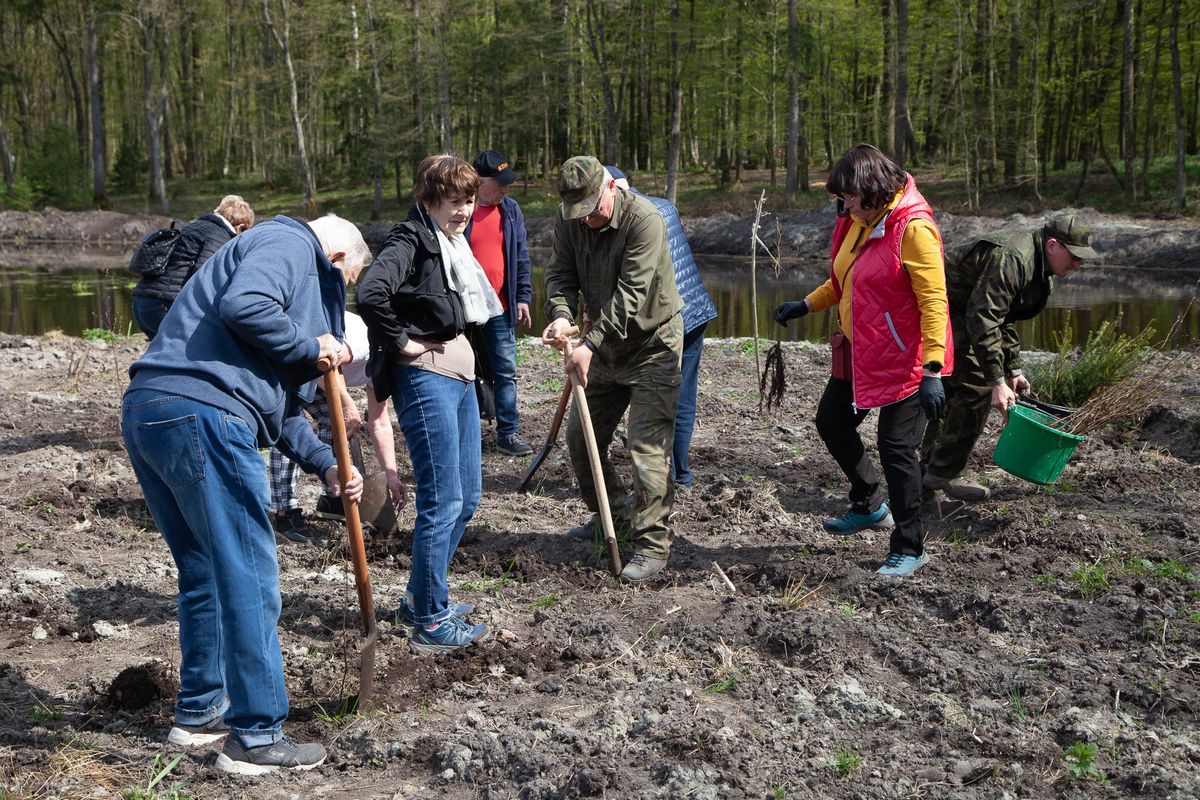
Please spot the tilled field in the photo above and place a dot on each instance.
(1048, 623)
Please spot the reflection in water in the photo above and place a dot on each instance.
(39, 296)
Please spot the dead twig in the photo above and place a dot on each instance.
(724, 577)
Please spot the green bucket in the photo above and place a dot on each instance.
(1030, 447)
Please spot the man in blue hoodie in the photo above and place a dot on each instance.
(222, 379)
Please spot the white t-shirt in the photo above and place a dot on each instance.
(355, 372)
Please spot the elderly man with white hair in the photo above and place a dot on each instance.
(222, 379)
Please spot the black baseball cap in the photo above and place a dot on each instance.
(494, 164)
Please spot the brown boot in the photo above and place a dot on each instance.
(641, 567)
(959, 488)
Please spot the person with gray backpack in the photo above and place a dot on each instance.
(167, 259)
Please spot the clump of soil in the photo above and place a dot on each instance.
(1047, 617)
(138, 686)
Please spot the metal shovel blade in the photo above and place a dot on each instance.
(375, 508)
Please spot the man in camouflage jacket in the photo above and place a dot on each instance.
(992, 285)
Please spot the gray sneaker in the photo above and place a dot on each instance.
(641, 567)
(284, 754)
(959, 488)
(196, 735)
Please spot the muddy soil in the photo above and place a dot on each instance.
(1047, 617)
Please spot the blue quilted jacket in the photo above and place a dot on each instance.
(698, 307)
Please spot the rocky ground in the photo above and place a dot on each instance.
(1050, 621)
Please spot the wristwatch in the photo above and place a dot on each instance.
(933, 367)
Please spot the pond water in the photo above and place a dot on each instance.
(73, 289)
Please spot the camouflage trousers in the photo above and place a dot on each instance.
(646, 382)
(948, 442)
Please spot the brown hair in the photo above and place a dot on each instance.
(444, 177)
(868, 173)
(233, 208)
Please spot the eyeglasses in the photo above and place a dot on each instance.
(842, 200)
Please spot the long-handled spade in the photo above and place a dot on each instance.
(358, 551)
(589, 437)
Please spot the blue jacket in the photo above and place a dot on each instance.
(698, 307)
(518, 287)
(242, 335)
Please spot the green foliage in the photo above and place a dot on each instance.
(1091, 579)
(100, 334)
(55, 171)
(21, 197)
(128, 166)
(723, 686)
(158, 772)
(493, 585)
(846, 762)
(545, 601)
(1075, 374)
(1081, 762)
(337, 716)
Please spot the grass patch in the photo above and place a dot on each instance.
(797, 594)
(847, 609)
(100, 335)
(545, 601)
(336, 716)
(846, 763)
(550, 385)
(723, 686)
(493, 585)
(158, 773)
(1074, 374)
(1090, 580)
(1045, 578)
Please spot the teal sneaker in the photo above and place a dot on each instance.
(450, 635)
(854, 521)
(901, 565)
(406, 615)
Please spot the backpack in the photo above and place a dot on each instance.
(153, 254)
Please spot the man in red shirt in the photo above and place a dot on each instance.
(497, 237)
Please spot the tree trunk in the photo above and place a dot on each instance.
(53, 30)
(887, 104)
(1151, 97)
(792, 158)
(152, 107)
(675, 115)
(377, 119)
(1127, 135)
(598, 45)
(1177, 93)
(282, 36)
(6, 158)
(96, 100)
(901, 120)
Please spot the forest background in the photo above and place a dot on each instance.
(308, 106)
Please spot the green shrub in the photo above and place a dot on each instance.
(1106, 358)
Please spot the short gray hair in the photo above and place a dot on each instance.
(339, 235)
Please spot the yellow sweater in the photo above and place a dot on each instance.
(921, 254)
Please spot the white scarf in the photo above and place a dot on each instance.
(465, 275)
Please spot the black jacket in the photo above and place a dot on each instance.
(404, 293)
(197, 242)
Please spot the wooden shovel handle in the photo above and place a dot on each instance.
(589, 438)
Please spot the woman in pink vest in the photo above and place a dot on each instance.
(888, 282)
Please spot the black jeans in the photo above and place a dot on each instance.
(901, 426)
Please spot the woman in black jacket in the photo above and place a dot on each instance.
(198, 240)
(417, 299)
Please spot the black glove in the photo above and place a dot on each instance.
(785, 311)
(933, 397)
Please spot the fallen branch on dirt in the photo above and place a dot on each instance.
(724, 577)
(1127, 400)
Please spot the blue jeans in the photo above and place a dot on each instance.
(501, 343)
(440, 420)
(685, 412)
(206, 489)
(148, 313)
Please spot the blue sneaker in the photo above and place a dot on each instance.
(901, 565)
(406, 615)
(451, 634)
(854, 521)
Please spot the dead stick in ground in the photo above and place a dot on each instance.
(758, 210)
(724, 577)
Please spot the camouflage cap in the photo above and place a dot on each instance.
(1073, 233)
(580, 182)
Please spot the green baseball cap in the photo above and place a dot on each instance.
(1073, 233)
(580, 181)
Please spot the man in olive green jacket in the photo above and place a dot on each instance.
(991, 285)
(611, 246)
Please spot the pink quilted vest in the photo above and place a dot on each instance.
(886, 340)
